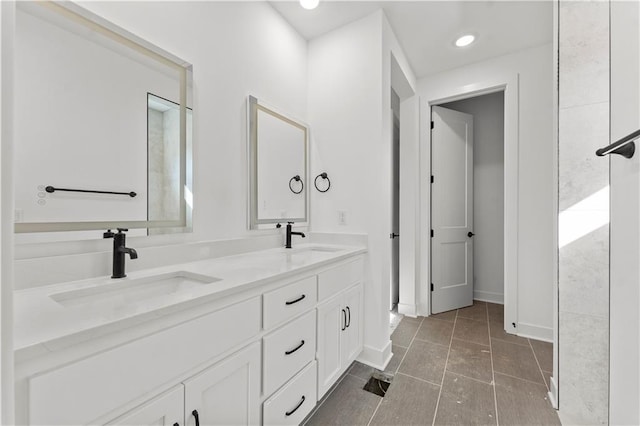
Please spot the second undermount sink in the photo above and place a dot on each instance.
(127, 291)
(321, 249)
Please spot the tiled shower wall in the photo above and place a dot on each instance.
(583, 282)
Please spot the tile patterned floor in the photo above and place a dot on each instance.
(454, 368)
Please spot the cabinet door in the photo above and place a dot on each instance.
(228, 393)
(352, 335)
(331, 321)
(164, 410)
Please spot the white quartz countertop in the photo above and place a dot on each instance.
(40, 319)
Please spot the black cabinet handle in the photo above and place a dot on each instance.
(295, 349)
(349, 321)
(344, 320)
(195, 414)
(176, 424)
(470, 234)
(295, 301)
(288, 413)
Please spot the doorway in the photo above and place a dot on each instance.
(467, 215)
(395, 203)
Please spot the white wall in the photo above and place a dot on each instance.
(236, 49)
(488, 193)
(535, 203)
(350, 112)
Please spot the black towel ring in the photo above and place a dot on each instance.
(297, 178)
(322, 175)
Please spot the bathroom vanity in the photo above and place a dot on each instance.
(256, 338)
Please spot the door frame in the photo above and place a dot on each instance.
(507, 83)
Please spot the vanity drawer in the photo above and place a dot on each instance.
(337, 279)
(83, 391)
(289, 301)
(291, 404)
(287, 350)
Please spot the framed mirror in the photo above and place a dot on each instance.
(278, 167)
(103, 128)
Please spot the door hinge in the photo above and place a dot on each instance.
(431, 286)
(432, 233)
(431, 124)
(431, 178)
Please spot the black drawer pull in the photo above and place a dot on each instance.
(176, 424)
(288, 413)
(344, 320)
(295, 349)
(291, 302)
(195, 414)
(349, 320)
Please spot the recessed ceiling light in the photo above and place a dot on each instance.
(309, 4)
(465, 40)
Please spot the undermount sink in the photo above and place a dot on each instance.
(126, 291)
(320, 249)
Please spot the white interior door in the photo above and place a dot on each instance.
(451, 210)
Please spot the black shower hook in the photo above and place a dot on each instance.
(322, 175)
(297, 178)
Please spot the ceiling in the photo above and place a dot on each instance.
(427, 30)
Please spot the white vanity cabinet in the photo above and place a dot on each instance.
(263, 355)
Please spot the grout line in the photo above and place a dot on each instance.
(327, 395)
(444, 372)
(469, 378)
(376, 410)
(520, 378)
(431, 318)
(539, 367)
(397, 369)
(431, 343)
(474, 343)
(508, 341)
(418, 378)
(493, 372)
(410, 343)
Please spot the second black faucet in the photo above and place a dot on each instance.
(290, 233)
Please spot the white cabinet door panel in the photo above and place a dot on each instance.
(330, 324)
(165, 410)
(352, 335)
(227, 393)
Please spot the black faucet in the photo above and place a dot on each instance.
(290, 233)
(119, 250)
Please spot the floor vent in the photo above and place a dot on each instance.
(379, 383)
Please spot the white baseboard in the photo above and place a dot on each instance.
(376, 358)
(488, 296)
(408, 310)
(535, 332)
(553, 393)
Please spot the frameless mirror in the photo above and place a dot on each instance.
(102, 128)
(278, 156)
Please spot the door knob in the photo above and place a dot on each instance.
(470, 234)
